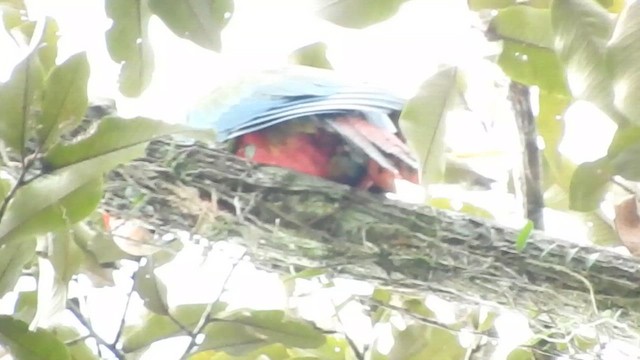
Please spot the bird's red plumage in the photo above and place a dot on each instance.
(299, 152)
(311, 152)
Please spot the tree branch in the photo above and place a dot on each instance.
(295, 221)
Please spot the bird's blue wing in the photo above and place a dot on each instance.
(257, 106)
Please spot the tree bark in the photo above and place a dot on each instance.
(290, 221)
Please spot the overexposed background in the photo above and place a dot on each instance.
(399, 53)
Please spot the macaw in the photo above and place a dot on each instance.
(309, 120)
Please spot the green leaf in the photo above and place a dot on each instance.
(359, 13)
(128, 44)
(521, 354)
(418, 306)
(18, 97)
(333, 349)
(151, 289)
(66, 257)
(118, 139)
(523, 236)
(532, 65)
(464, 207)
(476, 5)
(270, 352)
(51, 203)
(622, 58)
(11, 17)
(582, 30)
(26, 306)
(418, 342)
(624, 151)
(47, 48)
(5, 187)
(588, 185)
(244, 332)
(550, 126)
(97, 246)
(157, 327)
(200, 21)
(13, 258)
(524, 24)
(382, 295)
(15, 4)
(64, 98)
(52, 291)
(314, 55)
(30, 345)
(483, 319)
(423, 123)
(79, 349)
(614, 6)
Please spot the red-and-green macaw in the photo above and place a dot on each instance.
(310, 121)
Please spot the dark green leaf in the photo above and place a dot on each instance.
(588, 185)
(117, 139)
(157, 327)
(13, 257)
(128, 44)
(359, 13)
(622, 58)
(314, 55)
(489, 4)
(151, 289)
(18, 97)
(532, 65)
(30, 345)
(423, 123)
(64, 98)
(582, 30)
(200, 21)
(244, 332)
(523, 236)
(51, 203)
(524, 24)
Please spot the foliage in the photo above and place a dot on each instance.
(51, 186)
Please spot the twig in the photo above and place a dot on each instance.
(12, 193)
(204, 319)
(531, 166)
(76, 312)
(124, 313)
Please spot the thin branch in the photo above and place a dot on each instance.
(76, 312)
(204, 319)
(531, 166)
(124, 313)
